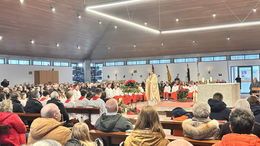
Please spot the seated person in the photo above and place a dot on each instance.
(32, 104)
(17, 106)
(242, 122)
(219, 110)
(148, 130)
(112, 121)
(45, 97)
(80, 136)
(69, 102)
(200, 126)
(82, 101)
(49, 126)
(96, 101)
(255, 107)
(55, 99)
(17, 129)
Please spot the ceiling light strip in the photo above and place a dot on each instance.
(117, 4)
(243, 24)
(124, 21)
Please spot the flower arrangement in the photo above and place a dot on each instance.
(130, 86)
(182, 94)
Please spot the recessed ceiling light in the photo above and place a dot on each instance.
(228, 38)
(32, 41)
(214, 15)
(79, 16)
(99, 22)
(177, 19)
(145, 23)
(78, 47)
(53, 9)
(254, 10)
(162, 44)
(134, 45)
(57, 44)
(109, 48)
(21, 1)
(193, 42)
(115, 27)
(1, 38)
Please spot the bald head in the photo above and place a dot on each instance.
(51, 111)
(111, 106)
(55, 94)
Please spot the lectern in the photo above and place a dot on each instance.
(46, 76)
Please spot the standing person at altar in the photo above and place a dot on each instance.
(254, 84)
(109, 91)
(151, 88)
(167, 91)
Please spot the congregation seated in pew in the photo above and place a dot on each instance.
(218, 108)
(200, 126)
(148, 130)
(48, 126)
(112, 121)
(255, 106)
(33, 105)
(16, 128)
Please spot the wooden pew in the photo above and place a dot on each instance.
(28, 116)
(84, 110)
(117, 137)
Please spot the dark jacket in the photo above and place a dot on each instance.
(113, 123)
(256, 110)
(5, 83)
(73, 142)
(17, 106)
(219, 110)
(33, 106)
(60, 105)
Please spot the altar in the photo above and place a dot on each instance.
(230, 92)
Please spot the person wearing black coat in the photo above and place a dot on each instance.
(17, 106)
(5, 83)
(32, 104)
(55, 99)
(255, 107)
(219, 110)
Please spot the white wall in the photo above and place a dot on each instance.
(218, 70)
(19, 74)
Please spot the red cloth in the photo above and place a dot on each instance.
(17, 129)
(82, 97)
(127, 99)
(95, 98)
(174, 95)
(134, 98)
(144, 96)
(165, 94)
(190, 95)
(67, 101)
(42, 99)
(234, 139)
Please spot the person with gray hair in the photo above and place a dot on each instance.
(112, 121)
(200, 126)
(55, 99)
(48, 126)
(241, 125)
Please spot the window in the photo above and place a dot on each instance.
(191, 59)
(64, 64)
(141, 62)
(110, 63)
(154, 61)
(56, 63)
(237, 57)
(253, 56)
(2, 61)
(203, 59)
(46, 63)
(13, 61)
(24, 62)
(179, 60)
(118, 63)
(165, 61)
(131, 62)
(37, 62)
(220, 58)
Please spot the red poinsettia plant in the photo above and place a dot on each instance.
(182, 94)
(130, 86)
